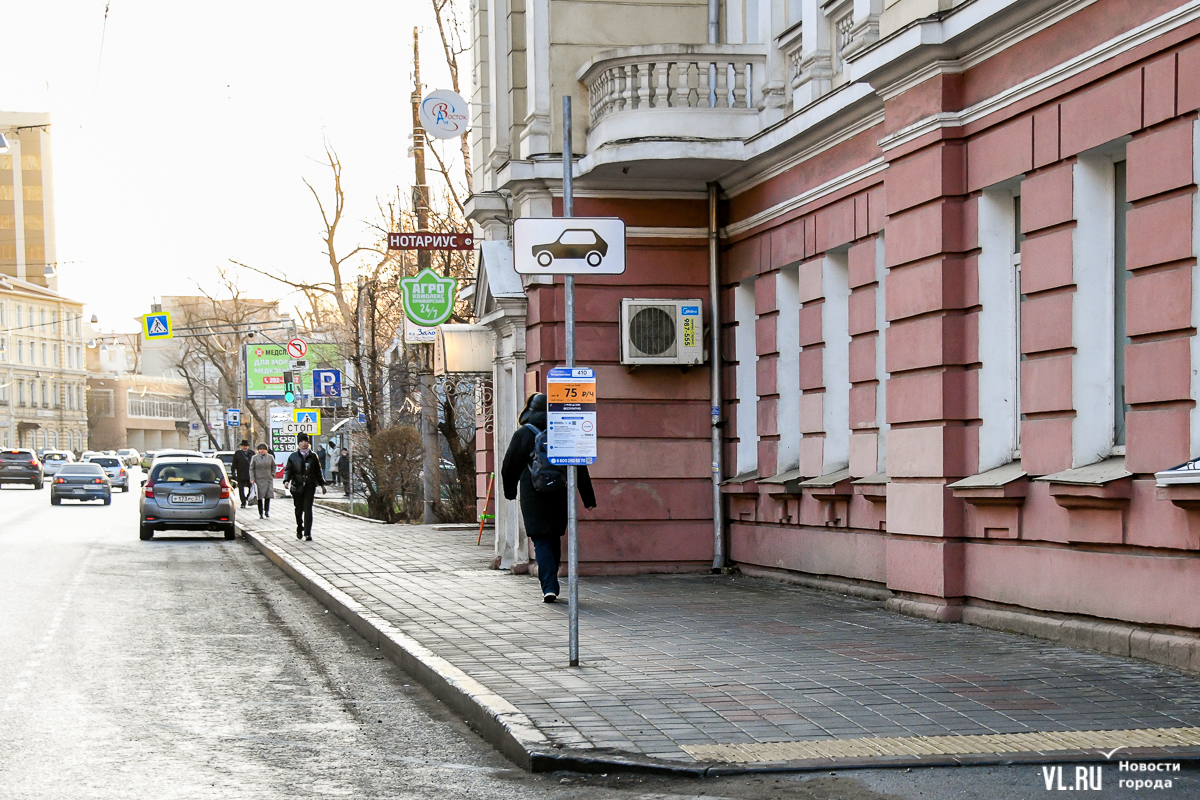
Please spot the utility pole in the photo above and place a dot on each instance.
(429, 435)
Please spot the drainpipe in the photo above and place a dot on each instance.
(714, 21)
(714, 303)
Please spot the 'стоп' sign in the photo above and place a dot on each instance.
(571, 415)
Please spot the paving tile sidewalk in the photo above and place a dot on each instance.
(674, 665)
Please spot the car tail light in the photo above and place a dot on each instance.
(225, 489)
(149, 488)
(59, 480)
(122, 471)
(33, 462)
(98, 480)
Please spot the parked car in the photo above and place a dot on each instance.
(186, 493)
(84, 481)
(53, 460)
(226, 458)
(147, 459)
(20, 465)
(117, 475)
(86, 454)
(129, 457)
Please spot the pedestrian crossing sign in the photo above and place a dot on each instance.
(157, 325)
(305, 420)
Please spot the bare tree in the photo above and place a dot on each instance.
(450, 29)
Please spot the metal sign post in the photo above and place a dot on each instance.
(568, 208)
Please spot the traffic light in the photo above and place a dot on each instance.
(289, 386)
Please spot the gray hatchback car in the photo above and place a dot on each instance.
(188, 494)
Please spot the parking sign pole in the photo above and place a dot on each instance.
(568, 209)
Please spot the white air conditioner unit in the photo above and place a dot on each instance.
(662, 332)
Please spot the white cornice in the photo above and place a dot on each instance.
(1105, 51)
(816, 193)
(633, 232)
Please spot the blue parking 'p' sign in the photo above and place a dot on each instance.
(327, 382)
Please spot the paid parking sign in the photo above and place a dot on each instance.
(571, 415)
(157, 325)
(233, 418)
(327, 382)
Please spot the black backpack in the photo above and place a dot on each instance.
(546, 477)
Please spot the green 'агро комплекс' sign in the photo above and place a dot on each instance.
(428, 297)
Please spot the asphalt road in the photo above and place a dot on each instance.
(189, 667)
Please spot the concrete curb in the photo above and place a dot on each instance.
(511, 732)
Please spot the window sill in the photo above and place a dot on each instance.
(1006, 485)
(872, 487)
(740, 484)
(786, 483)
(1105, 485)
(831, 486)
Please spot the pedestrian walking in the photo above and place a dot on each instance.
(262, 475)
(344, 469)
(544, 500)
(302, 475)
(241, 470)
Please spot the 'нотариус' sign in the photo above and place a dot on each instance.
(429, 240)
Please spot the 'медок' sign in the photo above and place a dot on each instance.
(426, 240)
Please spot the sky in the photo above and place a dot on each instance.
(182, 142)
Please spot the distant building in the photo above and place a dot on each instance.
(43, 371)
(138, 411)
(27, 250)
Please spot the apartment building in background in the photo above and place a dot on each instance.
(127, 408)
(27, 249)
(958, 294)
(43, 368)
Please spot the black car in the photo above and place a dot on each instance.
(582, 243)
(84, 481)
(21, 465)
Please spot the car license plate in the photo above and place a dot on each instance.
(81, 491)
(187, 498)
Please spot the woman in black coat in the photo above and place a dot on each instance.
(545, 513)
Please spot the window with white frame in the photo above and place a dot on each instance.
(56, 356)
(787, 338)
(3, 349)
(20, 392)
(20, 351)
(1097, 430)
(44, 361)
(32, 352)
(1120, 209)
(746, 376)
(835, 361)
(999, 266)
(881, 373)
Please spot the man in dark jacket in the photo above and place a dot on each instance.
(343, 466)
(302, 475)
(241, 470)
(545, 513)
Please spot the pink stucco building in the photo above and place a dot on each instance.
(958, 296)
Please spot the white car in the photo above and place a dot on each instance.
(53, 461)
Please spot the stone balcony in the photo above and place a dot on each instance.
(674, 111)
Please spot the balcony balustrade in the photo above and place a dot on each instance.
(676, 101)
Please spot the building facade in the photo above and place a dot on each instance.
(958, 292)
(43, 368)
(27, 248)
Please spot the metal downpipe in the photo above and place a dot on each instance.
(714, 302)
(714, 21)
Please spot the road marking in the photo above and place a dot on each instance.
(986, 744)
(35, 658)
